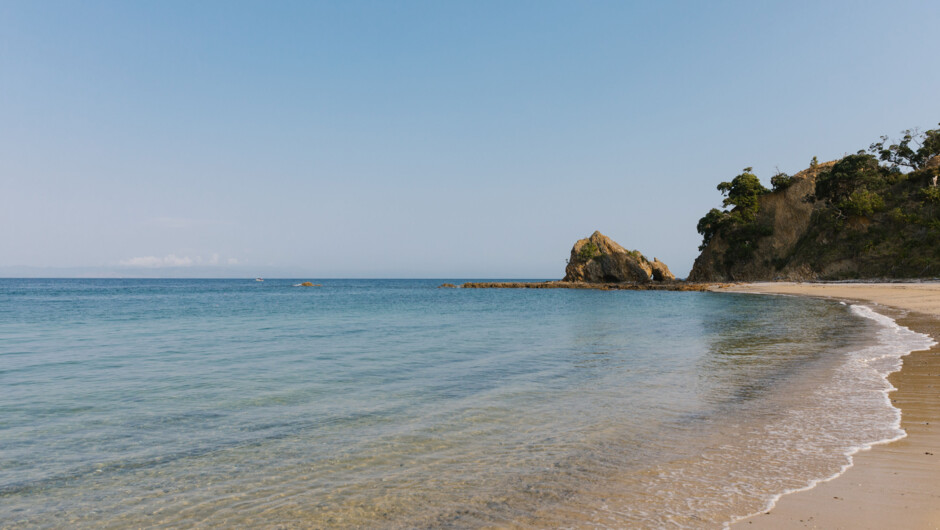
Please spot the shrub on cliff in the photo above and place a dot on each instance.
(863, 202)
(931, 194)
(742, 240)
(780, 181)
(709, 225)
(588, 251)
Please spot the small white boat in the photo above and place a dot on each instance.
(259, 279)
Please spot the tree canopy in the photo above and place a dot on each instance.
(912, 151)
(742, 193)
(853, 173)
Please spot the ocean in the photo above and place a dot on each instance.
(395, 404)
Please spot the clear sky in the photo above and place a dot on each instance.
(422, 139)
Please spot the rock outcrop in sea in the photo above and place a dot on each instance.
(599, 259)
(661, 272)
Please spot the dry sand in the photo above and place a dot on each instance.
(895, 485)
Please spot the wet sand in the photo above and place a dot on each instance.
(894, 485)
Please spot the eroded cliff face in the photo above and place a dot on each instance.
(599, 259)
(788, 213)
(878, 223)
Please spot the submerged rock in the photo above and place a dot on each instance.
(446, 286)
(599, 259)
(310, 284)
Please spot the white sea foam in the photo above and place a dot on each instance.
(865, 376)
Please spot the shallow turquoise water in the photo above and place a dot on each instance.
(391, 403)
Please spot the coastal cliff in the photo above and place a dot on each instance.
(785, 216)
(861, 216)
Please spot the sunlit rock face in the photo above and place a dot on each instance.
(599, 259)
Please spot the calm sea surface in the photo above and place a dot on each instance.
(394, 404)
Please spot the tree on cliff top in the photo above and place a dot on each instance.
(912, 151)
(853, 173)
(742, 193)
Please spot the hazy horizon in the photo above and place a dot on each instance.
(422, 139)
(206, 273)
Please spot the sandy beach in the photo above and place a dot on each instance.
(895, 485)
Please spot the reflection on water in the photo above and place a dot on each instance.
(753, 344)
(395, 404)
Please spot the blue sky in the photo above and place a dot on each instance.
(422, 139)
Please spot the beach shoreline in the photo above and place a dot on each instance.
(895, 484)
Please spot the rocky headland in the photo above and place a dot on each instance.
(870, 215)
(785, 216)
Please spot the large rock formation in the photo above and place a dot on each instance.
(885, 224)
(599, 259)
(788, 213)
(661, 272)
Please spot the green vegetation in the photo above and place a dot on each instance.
(876, 213)
(863, 203)
(743, 192)
(854, 174)
(709, 225)
(588, 251)
(637, 255)
(738, 226)
(781, 181)
(912, 152)
(931, 194)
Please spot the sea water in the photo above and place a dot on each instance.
(395, 404)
